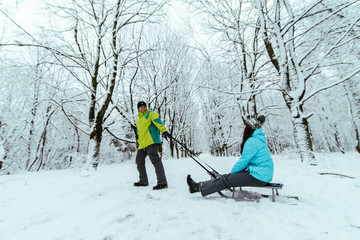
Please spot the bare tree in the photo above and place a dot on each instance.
(166, 82)
(297, 61)
(100, 50)
(219, 101)
(239, 46)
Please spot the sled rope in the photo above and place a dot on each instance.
(213, 173)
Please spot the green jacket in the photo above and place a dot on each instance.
(147, 127)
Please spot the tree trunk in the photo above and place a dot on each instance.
(33, 115)
(303, 139)
(177, 152)
(172, 148)
(30, 139)
(356, 129)
(94, 144)
(39, 159)
(358, 141)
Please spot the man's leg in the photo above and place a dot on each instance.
(152, 151)
(140, 163)
(226, 181)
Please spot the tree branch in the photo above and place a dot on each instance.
(331, 85)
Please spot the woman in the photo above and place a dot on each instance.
(254, 168)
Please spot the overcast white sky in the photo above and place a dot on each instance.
(28, 15)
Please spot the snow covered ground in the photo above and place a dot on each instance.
(65, 205)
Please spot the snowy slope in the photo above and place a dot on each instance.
(63, 205)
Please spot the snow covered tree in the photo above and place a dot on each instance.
(302, 43)
(298, 56)
(221, 108)
(353, 98)
(99, 51)
(238, 46)
(166, 82)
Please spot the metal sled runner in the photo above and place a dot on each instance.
(273, 186)
(238, 194)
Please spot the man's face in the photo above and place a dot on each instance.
(142, 109)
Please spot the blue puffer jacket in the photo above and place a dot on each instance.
(256, 158)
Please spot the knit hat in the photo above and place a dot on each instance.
(255, 123)
(141, 103)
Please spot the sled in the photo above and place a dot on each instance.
(238, 194)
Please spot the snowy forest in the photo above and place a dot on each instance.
(72, 72)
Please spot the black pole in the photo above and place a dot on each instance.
(213, 173)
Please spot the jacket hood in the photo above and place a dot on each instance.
(258, 133)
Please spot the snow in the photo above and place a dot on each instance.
(65, 205)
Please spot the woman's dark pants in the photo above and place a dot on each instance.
(227, 181)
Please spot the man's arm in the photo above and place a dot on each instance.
(157, 122)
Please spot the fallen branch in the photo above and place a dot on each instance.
(337, 174)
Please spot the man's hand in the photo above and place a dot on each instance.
(167, 136)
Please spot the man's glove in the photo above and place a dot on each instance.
(167, 136)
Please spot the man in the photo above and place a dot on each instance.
(148, 138)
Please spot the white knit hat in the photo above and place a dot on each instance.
(255, 123)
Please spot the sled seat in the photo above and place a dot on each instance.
(274, 188)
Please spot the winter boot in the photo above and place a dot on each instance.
(140, 184)
(160, 186)
(193, 186)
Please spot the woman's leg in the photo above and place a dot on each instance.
(226, 181)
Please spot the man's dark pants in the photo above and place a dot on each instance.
(152, 152)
